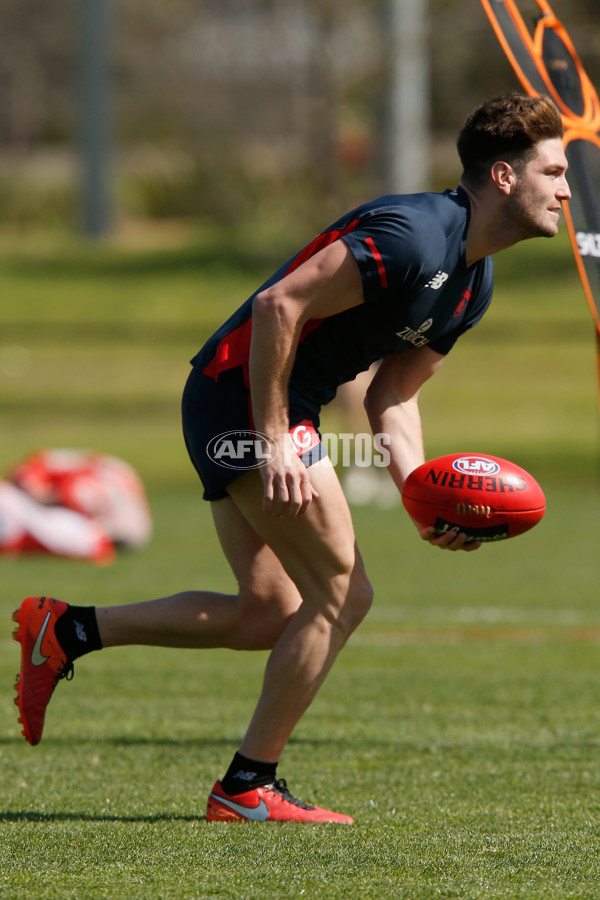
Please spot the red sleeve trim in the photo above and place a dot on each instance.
(377, 257)
(234, 348)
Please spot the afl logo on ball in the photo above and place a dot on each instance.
(475, 465)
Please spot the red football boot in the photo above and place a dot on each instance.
(271, 803)
(43, 661)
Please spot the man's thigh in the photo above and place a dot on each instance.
(261, 578)
(314, 548)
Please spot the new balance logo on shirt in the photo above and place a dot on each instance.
(437, 281)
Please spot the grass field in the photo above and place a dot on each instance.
(461, 725)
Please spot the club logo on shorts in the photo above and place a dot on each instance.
(304, 436)
(242, 449)
(475, 465)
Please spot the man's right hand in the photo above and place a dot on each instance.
(450, 540)
(287, 487)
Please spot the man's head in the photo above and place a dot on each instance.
(506, 128)
(515, 166)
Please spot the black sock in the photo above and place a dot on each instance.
(77, 631)
(245, 774)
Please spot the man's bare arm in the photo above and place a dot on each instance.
(326, 284)
(392, 404)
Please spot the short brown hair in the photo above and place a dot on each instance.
(505, 128)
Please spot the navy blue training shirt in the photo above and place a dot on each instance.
(418, 291)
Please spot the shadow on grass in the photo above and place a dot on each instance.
(193, 742)
(514, 745)
(126, 741)
(9, 816)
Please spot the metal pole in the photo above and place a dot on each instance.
(405, 132)
(96, 118)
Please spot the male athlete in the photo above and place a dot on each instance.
(398, 279)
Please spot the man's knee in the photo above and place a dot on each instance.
(360, 598)
(351, 601)
(260, 620)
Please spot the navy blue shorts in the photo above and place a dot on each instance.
(219, 435)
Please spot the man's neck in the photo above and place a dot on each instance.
(488, 233)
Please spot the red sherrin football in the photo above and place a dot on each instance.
(485, 497)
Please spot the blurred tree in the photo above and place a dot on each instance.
(38, 90)
(225, 106)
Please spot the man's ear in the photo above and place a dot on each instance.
(503, 176)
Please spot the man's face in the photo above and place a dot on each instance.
(534, 203)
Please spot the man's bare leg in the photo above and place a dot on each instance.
(278, 562)
(252, 619)
(303, 590)
(302, 595)
(318, 551)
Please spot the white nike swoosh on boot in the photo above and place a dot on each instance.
(36, 655)
(258, 813)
